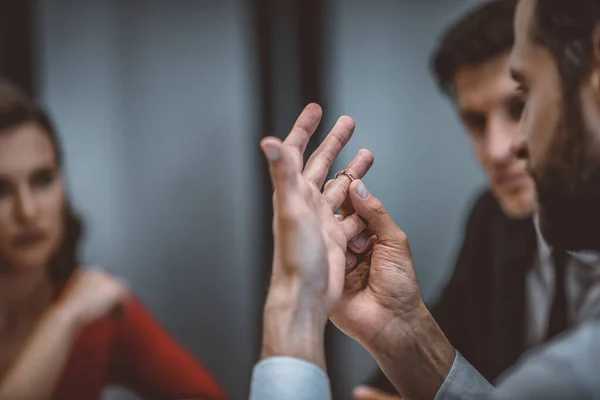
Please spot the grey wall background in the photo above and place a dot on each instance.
(156, 102)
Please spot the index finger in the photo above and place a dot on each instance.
(322, 159)
(304, 127)
(353, 225)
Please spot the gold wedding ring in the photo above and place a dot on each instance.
(344, 172)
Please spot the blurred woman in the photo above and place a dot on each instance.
(66, 332)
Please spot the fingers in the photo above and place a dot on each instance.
(369, 208)
(354, 260)
(320, 162)
(352, 226)
(351, 261)
(301, 132)
(357, 275)
(336, 190)
(369, 393)
(362, 243)
(346, 208)
(284, 174)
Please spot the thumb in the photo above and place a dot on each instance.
(369, 208)
(281, 168)
(369, 393)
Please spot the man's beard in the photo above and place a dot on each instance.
(570, 221)
(568, 186)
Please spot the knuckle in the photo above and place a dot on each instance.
(355, 222)
(378, 207)
(286, 217)
(339, 138)
(324, 156)
(329, 200)
(402, 237)
(328, 158)
(306, 189)
(290, 218)
(399, 239)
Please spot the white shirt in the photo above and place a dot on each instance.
(582, 284)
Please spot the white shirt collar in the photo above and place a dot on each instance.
(587, 257)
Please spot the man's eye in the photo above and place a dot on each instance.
(516, 108)
(4, 189)
(476, 124)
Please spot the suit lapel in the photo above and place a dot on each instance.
(515, 248)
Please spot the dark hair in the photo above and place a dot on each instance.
(565, 28)
(483, 34)
(16, 108)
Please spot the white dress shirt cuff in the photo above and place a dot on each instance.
(277, 378)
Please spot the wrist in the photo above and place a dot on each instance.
(67, 315)
(414, 352)
(294, 325)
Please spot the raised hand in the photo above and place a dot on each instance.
(310, 244)
(382, 307)
(381, 283)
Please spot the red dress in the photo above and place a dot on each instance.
(134, 352)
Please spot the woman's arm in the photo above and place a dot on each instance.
(38, 368)
(148, 361)
(36, 372)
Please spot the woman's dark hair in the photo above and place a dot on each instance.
(16, 108)
(565, 28)
(482, 34)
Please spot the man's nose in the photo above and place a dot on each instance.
(519, 148)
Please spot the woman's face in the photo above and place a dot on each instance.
(32, 199)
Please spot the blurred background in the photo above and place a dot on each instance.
(161, 104)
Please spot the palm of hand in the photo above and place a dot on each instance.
(382, 286)
(311, 224)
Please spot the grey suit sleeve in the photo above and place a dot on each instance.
(566, 368)
(278, 378)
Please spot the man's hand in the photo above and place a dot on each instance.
(382, 307)
(381, 284)
(310, 244)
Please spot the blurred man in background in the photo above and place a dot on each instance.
(496, 284)
(499, 300)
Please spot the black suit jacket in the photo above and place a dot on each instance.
(482, 308)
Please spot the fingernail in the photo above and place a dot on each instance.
(349, 259)
(362, 191)
(272, 153)
(359, 241)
